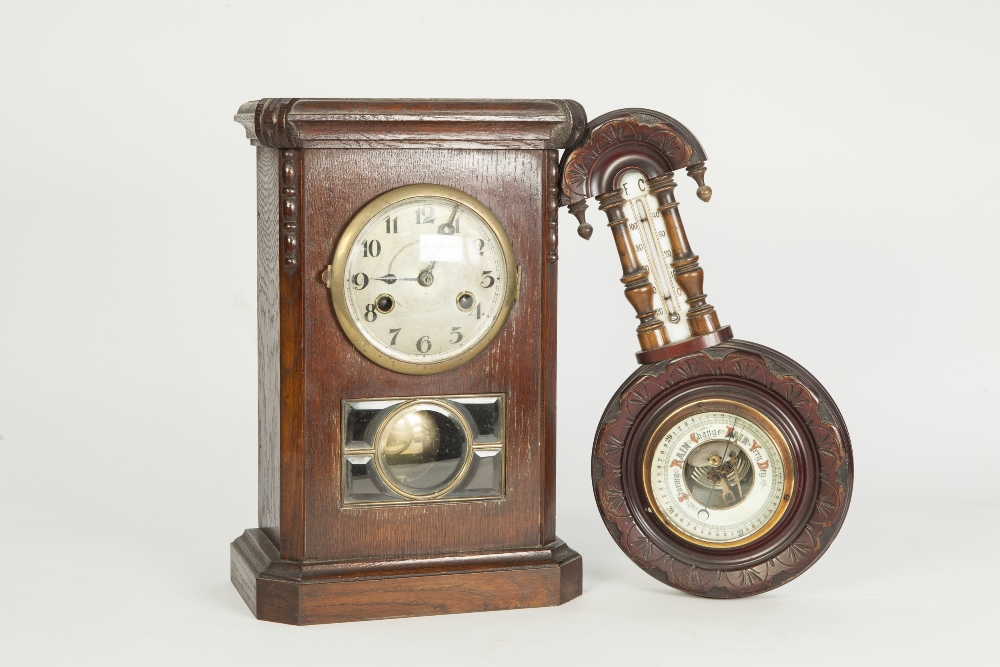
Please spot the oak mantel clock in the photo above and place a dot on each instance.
(721, 467)
(406, 346)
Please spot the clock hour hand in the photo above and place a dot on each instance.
(425, 277)
(390, 279)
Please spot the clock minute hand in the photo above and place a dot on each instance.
(449, 227)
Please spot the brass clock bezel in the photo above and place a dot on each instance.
(334, 276)
(743, 411)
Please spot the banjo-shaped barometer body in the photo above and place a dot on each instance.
(721, 467)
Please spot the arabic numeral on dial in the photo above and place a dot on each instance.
(370, 313)
(488, 280)
(633, 226)
(659, 311)
(424, 344)
(482, 244)
(458, 335)
(661, 233)
(392, 226)
(425, 215)
(359, 280)
(479, 311)
(640, 247)
(395, 335)
(372, 248)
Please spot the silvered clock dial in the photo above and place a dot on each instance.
(423, 279)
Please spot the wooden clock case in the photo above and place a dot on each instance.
(313, 559)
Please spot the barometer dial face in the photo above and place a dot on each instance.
(423, 279)
(726, 472)
(718, 474)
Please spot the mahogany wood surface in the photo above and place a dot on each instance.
(684, 347)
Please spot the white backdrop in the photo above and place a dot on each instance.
(852, 152)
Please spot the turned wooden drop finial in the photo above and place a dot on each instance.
(638, 290)
(579, 209)
(697, 172)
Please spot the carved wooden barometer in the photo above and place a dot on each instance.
(406, 332)
(720, 467)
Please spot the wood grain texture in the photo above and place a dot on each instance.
(352, 123)
(268, 361)
(304, 593)
(291, 288)
(549, 294)
(510, 183)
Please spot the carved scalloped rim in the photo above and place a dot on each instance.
(629, 128)
(832, 499)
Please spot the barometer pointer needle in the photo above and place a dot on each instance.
(729, 441)
(712, 490)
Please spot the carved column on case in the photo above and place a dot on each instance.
(702, 316)
(292, 378)
(638, 290)
(552, 206)
(291, 169)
